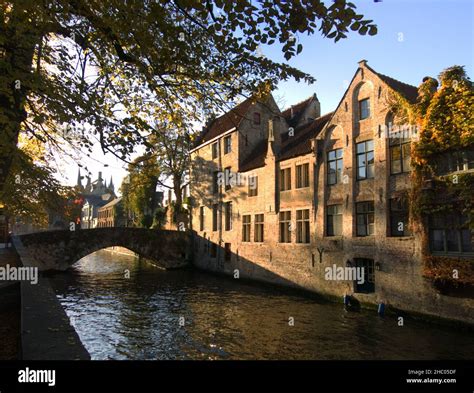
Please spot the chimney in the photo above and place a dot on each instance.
(362, 63)
(317, 107)
(274, 135)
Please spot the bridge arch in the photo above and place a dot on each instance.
(58, 250)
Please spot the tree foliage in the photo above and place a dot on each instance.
(139, 191)
(33, 192)
(66, 65)
(446, 115)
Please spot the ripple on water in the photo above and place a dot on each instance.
(139, 318)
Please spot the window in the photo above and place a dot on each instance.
(215, 217)
(334, 166)
(400, 155)
(256, 118)
(364, 109)
(365, 218)
(215, 182)
(365, 160)
(285, 179)
(450, 233)
(302, 176)
(201, 218)
(462, 160)
(302, 226)
(246, 222)
(253, 186)
(227, 178)
(215, 150)
(259, 224)
(227, 144)
(228, 216)
(227, 251)
(369, 277)
(285, 227)
(399, 217)
(334, 220)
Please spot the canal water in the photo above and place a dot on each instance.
(184, 314)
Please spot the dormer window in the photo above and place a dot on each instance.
(364, 109)
(256, 118)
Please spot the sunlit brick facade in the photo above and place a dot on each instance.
(330, 190)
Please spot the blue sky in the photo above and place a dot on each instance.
(415, 38)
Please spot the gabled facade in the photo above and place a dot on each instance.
(314, 193)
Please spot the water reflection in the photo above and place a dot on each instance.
(140, 318)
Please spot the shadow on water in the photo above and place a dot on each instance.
(187, 314)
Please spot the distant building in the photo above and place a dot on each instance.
(112, 214)
(95, 194)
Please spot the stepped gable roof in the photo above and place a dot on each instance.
(225, 122)
(408, 91)
(256, 158)
(298, 110)
(300, 143)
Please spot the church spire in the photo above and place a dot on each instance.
(111, 184)
(79, 179)
(79, 183)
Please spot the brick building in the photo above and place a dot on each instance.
(281, 196)
(111, 215)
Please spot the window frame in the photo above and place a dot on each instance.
(404, 164)
(331, 216)
(367, 109)
(246, 228)
(458, 228)
(366, 214)
(284, 223)
(302, 175)
(285, 179)
(215, 217)
(215, 182)
(227, 144)
(303, 227)
(398, 214)
(215, 150)
(259, 228)
(365, 154)
(336, 160)
(228, 216)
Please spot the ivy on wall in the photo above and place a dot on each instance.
(445, 121)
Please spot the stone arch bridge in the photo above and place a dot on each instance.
(58, 250)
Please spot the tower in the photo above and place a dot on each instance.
(79, 180)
